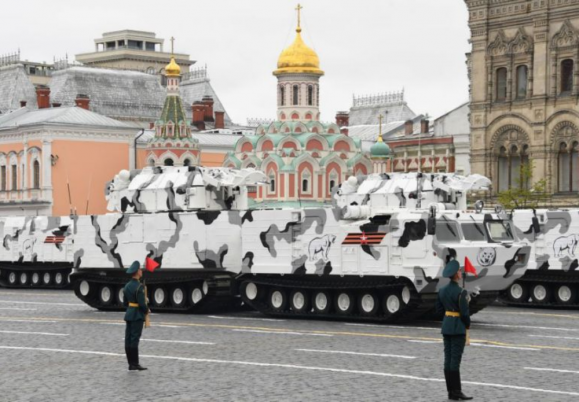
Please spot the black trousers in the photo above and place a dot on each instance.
(133, 333)
(453, 350)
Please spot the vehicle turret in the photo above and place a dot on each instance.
(186, 188)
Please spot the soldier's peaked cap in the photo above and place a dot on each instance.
(135, 266)
(451, 269)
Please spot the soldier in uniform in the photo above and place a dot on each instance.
(137, 309)
(453, 302)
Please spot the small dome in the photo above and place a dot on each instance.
(298, 58)
(172, 69)
(380, 149)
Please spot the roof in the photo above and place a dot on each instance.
(15, 86)
(368, 114)
(59, 116)
(125, 95)
(205, 139)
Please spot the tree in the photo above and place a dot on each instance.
(522, 195)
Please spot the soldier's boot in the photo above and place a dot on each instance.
(456, 393)
(448, 382)
(128, 353)
(131, 358)
(136, 360)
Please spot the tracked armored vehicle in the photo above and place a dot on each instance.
(552, 279)
(36, 251)
(378, 254)
(187, 219)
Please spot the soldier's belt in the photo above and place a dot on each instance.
(133, 304)
(452, 314)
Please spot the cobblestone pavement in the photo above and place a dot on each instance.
(55, 348)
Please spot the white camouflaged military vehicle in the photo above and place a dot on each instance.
(552, 279)
(379, 252)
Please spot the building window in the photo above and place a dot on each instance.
(332, 184)
(310, 95)
(568, 160)
(271, 184)
(501, 94)
(282, 95)
(295, 95)
(168, 162)
(14, 177)
(36, 174)
(522, 82)
(510, 163)
(566, 76)
(186, 162)
(3, 178)
(151, 162)
(305, 185)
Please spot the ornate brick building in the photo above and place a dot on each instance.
(525, 92)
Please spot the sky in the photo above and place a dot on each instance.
(365, 46)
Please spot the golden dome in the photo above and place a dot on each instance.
(172, 69)
(298, 58)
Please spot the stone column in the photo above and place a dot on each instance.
(25, 170)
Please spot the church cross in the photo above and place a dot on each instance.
(380, 132)
(299, 9)
(172, 43)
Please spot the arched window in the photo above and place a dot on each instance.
(306, 185)
(271, 183)
(568, 161)
(3, 178)
(566, 76)
(510, 163)
(332, 184)
(521, 82)
(14, 177)
(36, 174)
(295, 94)
(168, 162)
(310, 95)
(282, 95)
(501, 87)
(151, 70)
(151, 162)
(187, 162)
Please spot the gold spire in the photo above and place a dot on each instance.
(380, 131)
(172, 69)
(298, 57)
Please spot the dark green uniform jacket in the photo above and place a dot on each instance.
(453, 298)
(134, 292)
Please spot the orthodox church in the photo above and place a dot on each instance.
(172, 144)
(303, 157)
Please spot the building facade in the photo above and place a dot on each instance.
(302, 157)
(524, 93)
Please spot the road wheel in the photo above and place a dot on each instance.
(251, 291)
(322, 302)
(392, 304)
(159, 297)
(106, 295)
(541, 293)
(565, 295)
(196, 295)
(121, 296)
(278, 300)
(368, 304)
(84, 288)
(300, 301)
(518, 293)
(46, 278)
(178, 297)
(344, 303)
(12, 278)
(59, 279)
(24, 278)
(35, 279)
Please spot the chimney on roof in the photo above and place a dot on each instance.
(56, 104)
(82, 101)
(43, 96)
(219, 120)
(343, 121)
(424, 126)
(199, 115)
(22, 103)
(151, 125)
(408, 127)
(208, 102)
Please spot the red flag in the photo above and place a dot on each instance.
(468, 267)
(151, 264)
